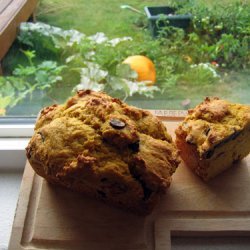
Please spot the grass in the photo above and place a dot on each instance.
(88, 17)
(105, 16)
(94, 16)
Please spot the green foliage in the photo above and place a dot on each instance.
(13, 90)
(93, 58)
(218, 35)
(221, 32)
(42, 76)
(26, 79)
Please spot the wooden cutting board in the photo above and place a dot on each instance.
(51, 217)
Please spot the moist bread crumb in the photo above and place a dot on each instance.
(213, 136)
(100, 146)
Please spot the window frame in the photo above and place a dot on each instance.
(15, 133)
(17, 127)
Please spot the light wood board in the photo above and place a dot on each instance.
(51, 217)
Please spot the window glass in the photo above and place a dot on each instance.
(190, 49)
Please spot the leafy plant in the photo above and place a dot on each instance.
(93, 58)
(42, 76)
(222, 32)
(219, 35)
(26, 79)
(12, 91)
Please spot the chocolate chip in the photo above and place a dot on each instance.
(208, 154)
(117, 124)
(206, 132)
(134, 146)
(101, 194)
(42, 136)
(235, 135)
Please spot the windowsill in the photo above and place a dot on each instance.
(16, 130)
(10, 180)
(13, 143)
(12, 152)
(13, 158)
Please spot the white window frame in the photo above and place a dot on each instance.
(14, 136)
(16, 130)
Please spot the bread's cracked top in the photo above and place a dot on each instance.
(213, 121)
(96, 136)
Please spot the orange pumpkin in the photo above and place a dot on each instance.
(143, 66)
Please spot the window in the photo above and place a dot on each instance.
(84, 44)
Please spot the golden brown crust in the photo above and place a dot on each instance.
(100, 146)
(214, 130)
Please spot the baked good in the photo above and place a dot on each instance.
(100, 146)
(213, 136)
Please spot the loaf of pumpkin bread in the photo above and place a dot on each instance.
(100, 146)
(213, 136)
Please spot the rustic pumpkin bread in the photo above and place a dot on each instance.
(213, 136)
(100, 146)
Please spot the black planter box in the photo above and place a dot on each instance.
(154, 15)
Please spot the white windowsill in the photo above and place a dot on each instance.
(10, 181)
(16, 130)
(13, 141)
(12, 162)
(12, 153)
